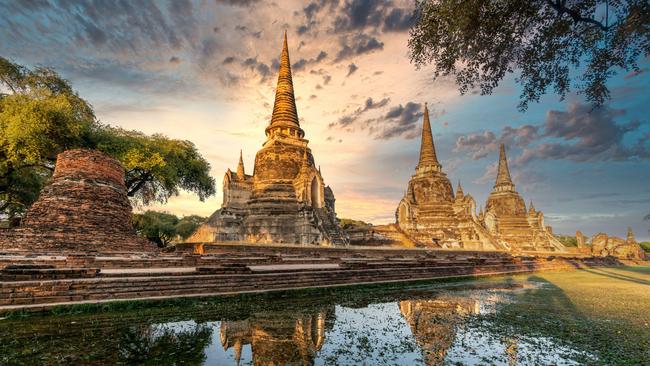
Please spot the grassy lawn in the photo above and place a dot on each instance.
(604, 311)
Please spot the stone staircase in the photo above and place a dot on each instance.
(37, 286)
(330, 227)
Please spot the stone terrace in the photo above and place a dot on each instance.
(37, 282)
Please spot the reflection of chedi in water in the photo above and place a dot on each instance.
(285, 200)
(433, 323)
(278, 338)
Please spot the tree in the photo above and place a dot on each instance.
(41, 116)
(188, 224)
(481, 41)
(162, 228)
(159, 227)
(156, 167)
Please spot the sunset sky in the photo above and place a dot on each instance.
(205, 71)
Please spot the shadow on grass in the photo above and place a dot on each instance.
(616, 276)
(548, 312)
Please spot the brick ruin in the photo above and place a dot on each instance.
(83, 208)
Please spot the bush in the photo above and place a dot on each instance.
(567, 240)
(645, 245)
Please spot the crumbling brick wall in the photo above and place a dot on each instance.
(83, 208)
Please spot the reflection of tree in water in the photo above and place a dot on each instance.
(279, 338)
(433, 323)
(151, 345)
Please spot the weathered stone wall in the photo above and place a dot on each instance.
(604, 245)
(83, 208)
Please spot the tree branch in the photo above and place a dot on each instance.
(560, 7)
(141, 182)
(7, 83)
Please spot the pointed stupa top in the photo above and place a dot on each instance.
(427, 149)
(503, 173)
(531, 208)
(459, 190)
(240, 167)
(630, 235)
(284, 108)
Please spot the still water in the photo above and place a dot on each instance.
(449, 323)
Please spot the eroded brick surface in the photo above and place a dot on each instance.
(84, 208)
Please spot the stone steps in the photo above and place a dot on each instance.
(22, 293)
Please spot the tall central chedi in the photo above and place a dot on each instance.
(285, 200)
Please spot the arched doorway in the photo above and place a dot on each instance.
(315, 193)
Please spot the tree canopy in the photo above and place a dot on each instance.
(41, 116)
(162, 228)
(545, 41)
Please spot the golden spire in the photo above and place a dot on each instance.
(459, 190)
(284, 109)
(240, 167)
(630, 235)
(503, 173)
(427, 150)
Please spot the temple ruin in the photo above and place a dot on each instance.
(84, 208)
(285, 200)
(430, 214)
(508, 220)
(602, 245)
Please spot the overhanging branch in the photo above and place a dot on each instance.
(560, 7)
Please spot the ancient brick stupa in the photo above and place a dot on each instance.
(429, 213)
(84, 208)
(285, 200)
(507, 219)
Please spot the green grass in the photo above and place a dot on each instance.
(605, 311)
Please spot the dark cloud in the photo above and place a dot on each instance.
(374, 14)
(590, 134)
(352, 68)
(229, 60)
(479, 144)
(174, 60)
(303, 63)
(240, 3)
(263, 70)
(316, 6)
(400, 121)
(581, 133)
(326, 77)
(356, 45)
(350, 119)
(398, 20)
(132, 79)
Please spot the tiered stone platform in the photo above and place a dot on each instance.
(30, 282)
